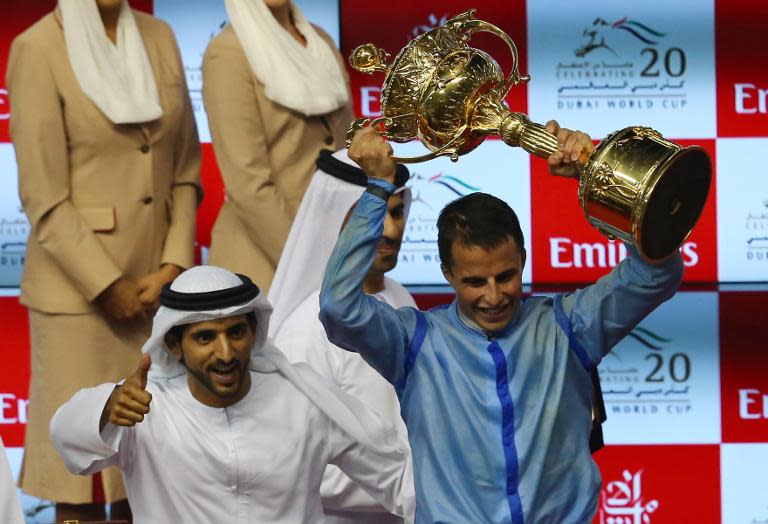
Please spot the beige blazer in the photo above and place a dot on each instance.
(104, 200)
(266, 154)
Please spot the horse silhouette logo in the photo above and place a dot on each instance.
(601, 30)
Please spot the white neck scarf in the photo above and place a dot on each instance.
(304, 79)
(116, 77)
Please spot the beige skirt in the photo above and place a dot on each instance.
(71, 352)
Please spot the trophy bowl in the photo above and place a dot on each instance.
(636, 185)
(644, 189)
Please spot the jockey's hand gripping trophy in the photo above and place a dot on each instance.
(636, 186)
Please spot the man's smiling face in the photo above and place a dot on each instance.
(217, 354)
(488, 282)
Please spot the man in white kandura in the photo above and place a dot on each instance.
(236, 434)
(335, 189)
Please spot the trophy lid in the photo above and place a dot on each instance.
(410, 74)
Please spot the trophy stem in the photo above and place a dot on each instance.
(517, 130)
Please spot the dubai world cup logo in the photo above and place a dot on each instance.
(756, 225)
(622, 64)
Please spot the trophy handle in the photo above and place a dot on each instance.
(468, 24)
(446, 150)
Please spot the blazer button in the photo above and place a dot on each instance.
(147, 200)
(144, 148)
(329, 140)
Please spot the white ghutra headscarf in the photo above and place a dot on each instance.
(304, 79)
(314, 233)
(118, 77)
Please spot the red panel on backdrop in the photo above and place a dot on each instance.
(18, 15)
(655, 484)
(390, 25)
(566, 248)
(426, 301)
(142, 5)
(14, 391)
(742, 78)
(744, 366)
(213, 197)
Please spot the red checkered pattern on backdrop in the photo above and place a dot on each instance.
(575, 49)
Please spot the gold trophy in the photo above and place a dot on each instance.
(636, 186)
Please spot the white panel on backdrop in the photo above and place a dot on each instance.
(323, 13)
(742, 210)
(493, 168)
(602, 66)
(661, 384)
(743, 479)
(195, 22)
(14, 226)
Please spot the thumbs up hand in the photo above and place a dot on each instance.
(128, 403)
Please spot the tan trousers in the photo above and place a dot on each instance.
(71, 352)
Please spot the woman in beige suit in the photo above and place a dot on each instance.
(109, 163)
(276, 93)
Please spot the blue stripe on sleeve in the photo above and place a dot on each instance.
(565, 324)
(413, 350)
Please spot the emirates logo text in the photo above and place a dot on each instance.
(753, 404)
(565, 253)
(750, 99)
(622, 501)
